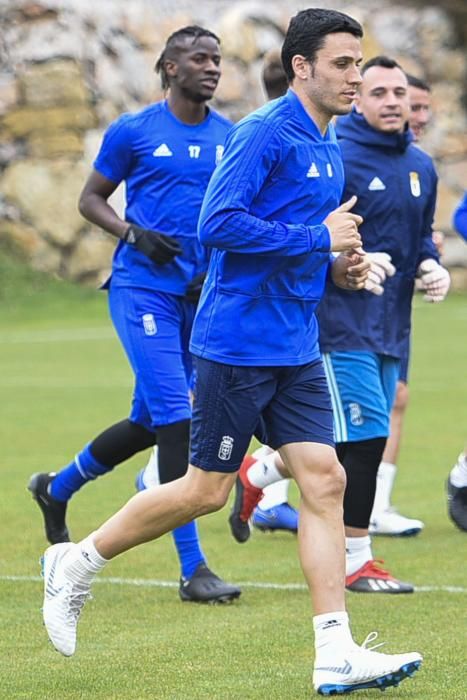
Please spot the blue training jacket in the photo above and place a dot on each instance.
(395, 183)
(262, 218)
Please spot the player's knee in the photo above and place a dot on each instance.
(324, 486)
(204, 491)
(214, 501)
(402, 397)
(334, 481)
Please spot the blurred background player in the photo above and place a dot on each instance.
(385, 519)
(165, 155)
(457, 479)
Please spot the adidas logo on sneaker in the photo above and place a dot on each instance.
(162, 151)
(376, 184)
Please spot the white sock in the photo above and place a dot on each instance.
(332, 630)
(262, 452)
(357, 553)
(264, 472)
(84, 561)
(275, 494)
(384, 484)
(151, 470)
(458, 475)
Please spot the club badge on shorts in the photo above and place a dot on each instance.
(225, 448)
(149, 324)
(415, 183)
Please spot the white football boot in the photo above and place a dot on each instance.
(391, 523)
(360, 668)
(63, 599)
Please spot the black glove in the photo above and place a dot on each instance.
(160, 248)
(193, 291)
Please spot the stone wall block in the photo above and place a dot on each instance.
(31, 245)
(22, 122)
(47, 192)
(54, 83)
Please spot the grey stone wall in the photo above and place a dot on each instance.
(71, 66)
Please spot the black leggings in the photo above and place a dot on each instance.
(360, 461)
(123, 440)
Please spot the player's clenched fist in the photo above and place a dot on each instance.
(160, 248)
(343, 227)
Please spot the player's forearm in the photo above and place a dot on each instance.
(95, 209)
(240, 232)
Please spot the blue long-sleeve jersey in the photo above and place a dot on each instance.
(262, 217)
(395, 183)
(166, 165)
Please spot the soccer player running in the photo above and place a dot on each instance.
(165, 155)
(271, 224)
(385, 518)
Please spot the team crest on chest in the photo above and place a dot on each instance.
(219, 153)
(415, 184)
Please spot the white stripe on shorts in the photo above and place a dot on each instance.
(340, 424)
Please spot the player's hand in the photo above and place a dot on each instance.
(193, 291)
(381, 267)
(343, 227)
(433, 279)
(350, 270)
(160, 248)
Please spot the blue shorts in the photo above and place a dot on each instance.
(404, 362)
(363, 387)
(154, 328)
(279, 405)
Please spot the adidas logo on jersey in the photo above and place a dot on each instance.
(162, 151)
(313, 171)
(376, 184)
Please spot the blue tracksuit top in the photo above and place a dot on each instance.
(262, 218)
(395, 183)
(166, 165)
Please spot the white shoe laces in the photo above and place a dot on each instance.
(371, 638)
(76, 600)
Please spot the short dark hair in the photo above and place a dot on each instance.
(308, 30)
(172, 46)
(273, 75)
(417, 83)
(382, 61)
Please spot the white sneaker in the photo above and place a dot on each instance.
(360, 668)
(63, 599)
(391, 523)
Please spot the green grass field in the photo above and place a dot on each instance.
(64, 378)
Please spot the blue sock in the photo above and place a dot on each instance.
(188, 548)
(71, 478)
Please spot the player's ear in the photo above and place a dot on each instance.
(171, 67)
(300, 66)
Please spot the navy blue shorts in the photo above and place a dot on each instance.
(279, 405)
(154, 328)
